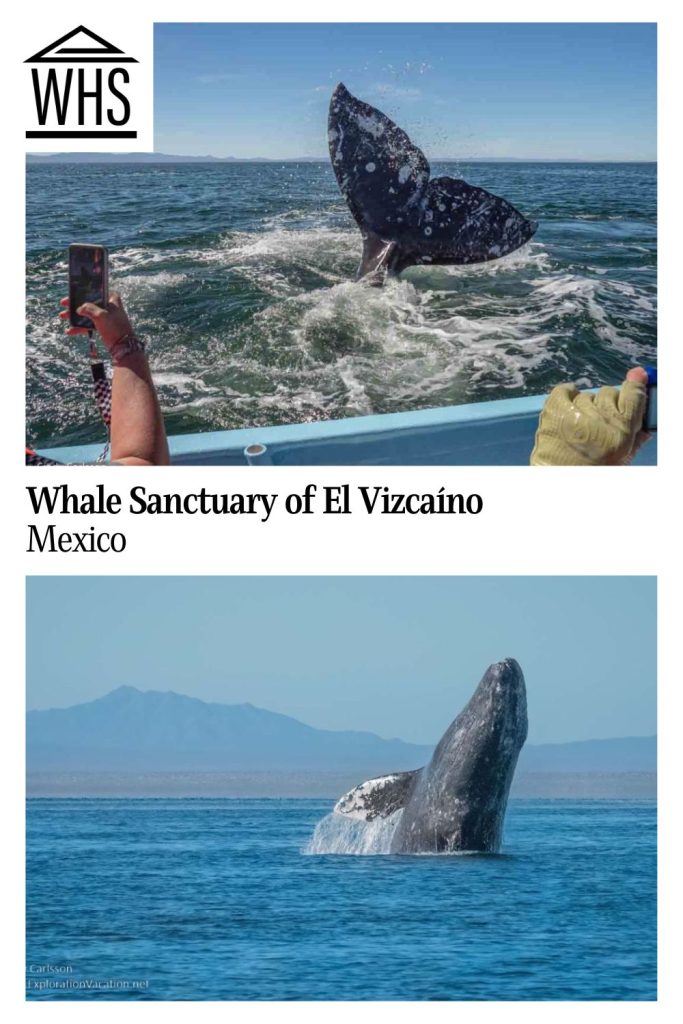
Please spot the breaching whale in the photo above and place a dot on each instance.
(458, 801)
(405, 217)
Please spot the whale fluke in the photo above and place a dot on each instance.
(458, 801)
(406, 218)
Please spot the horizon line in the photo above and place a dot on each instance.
(255, 158)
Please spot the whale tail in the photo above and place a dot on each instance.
(405, 217)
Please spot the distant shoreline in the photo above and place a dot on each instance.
(312, 785)
(163, 158)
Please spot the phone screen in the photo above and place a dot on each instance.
(87, 280)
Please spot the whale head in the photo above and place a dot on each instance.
(458, 800)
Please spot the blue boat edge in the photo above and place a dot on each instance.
(496, 433)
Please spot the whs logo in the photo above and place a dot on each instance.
(82, 88)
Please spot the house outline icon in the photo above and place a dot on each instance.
(102, 53)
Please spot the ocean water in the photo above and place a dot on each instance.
(219, 899)
(240, 277)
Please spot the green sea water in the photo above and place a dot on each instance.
(240, 277)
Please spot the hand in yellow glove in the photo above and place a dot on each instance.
(603, 429)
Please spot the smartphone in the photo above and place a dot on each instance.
(88, 280)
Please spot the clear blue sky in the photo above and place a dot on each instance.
(396, 655)
(585, 91)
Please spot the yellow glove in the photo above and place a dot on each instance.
(581, 429)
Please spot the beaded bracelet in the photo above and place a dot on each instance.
(126, 345)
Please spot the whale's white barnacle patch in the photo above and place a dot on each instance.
(372, 125)
(370, 167)
(428, 231)
(359, 801)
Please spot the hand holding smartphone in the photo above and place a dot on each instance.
(88, 280)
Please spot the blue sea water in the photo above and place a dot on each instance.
(240, 277)
(216, 899)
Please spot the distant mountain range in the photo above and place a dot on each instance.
(151, 730)
(627, 754)
(132, 730)
(158, 158)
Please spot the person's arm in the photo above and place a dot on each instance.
(577, 428)
(138, 437)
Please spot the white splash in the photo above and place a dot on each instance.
(340, 834)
